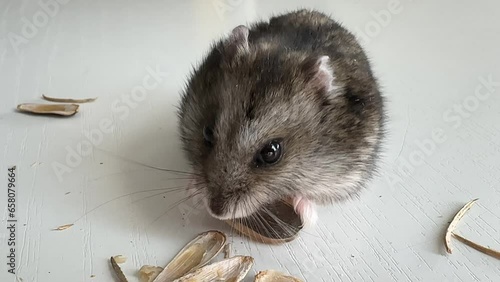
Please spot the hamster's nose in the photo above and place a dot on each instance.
(217, 207)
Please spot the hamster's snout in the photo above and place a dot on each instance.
(228, 208)
(220, 208)
(214, 204)
(216, 207)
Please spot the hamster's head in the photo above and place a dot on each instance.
(258, 125)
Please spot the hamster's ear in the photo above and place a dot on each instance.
(319, 73)
(237, 42)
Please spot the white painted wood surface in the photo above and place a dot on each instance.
(434, 60)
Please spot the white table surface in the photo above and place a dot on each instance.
(433, 58)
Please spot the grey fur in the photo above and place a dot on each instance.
(271, 85)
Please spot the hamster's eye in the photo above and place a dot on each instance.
(208, 135)
(270, 153)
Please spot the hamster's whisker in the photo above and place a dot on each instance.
(129, 171)
(146, 165)
(265, 224)
(198, 184)
(171, 189)
(289, 228)
(196, 205)
(248, 221)
(261, 220)
(196, 187)
(180, 189)
(170, 170)
(187, 215)
(172, 207)
(286, 226)
(233, 218)
(179, 178)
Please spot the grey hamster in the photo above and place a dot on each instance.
(287, 108)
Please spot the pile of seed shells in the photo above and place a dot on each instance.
(195, 263)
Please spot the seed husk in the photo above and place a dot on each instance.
(233, 269)
(63, 227)
(456, 219)
(118, 270)
(68, 100)
(120, 259)
(227, 250)
(482, 249)
(197, 253)
(148, 273)
(271, 275)
(49, 109)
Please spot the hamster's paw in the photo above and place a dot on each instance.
(307, 211)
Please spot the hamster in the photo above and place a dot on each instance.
(288, 108)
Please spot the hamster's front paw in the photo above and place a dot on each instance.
(306, 209)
